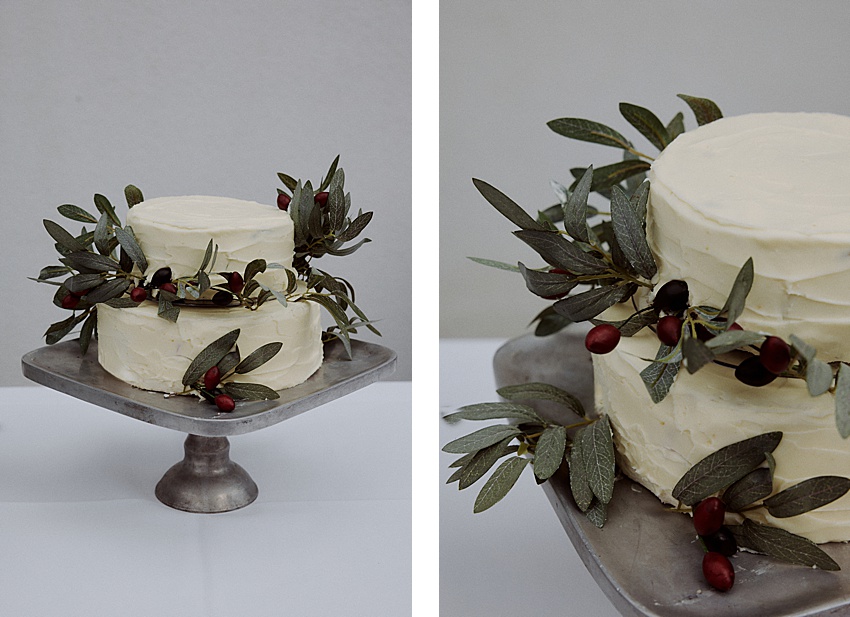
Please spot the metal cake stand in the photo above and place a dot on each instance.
(206, 480)
(646, 559)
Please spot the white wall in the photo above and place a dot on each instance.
(509, 67)
(202, 97)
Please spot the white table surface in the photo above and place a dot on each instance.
(515, 558)
(81, 532)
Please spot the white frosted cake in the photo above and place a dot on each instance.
(771, 187)
(147, 351)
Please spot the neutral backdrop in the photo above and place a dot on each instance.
(214, 98)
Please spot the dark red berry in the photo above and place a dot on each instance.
(235, 282)
(212, 377)
(708, 515)
(70, 301)
(168, 287)
(321, 198)
(718, 571)
(671, 298)
(669, 330)
(735, 326)
(721, 541)
(703, 333)
(602, 339)
(559, 271)
(752, 372)
(225, 402)
(283, 201)
(775, 355)
(139, 294)
(222, 298)
(163, 275)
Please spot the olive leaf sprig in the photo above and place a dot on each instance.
(101, 265)
(211, 374)
(741, 474)
(587, 445)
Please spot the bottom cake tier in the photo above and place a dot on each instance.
(149, 352)
(658, 442)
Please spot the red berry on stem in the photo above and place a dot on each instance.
(321, 198)
(775, 355)
(671, 298)
(602, 339)
(235, 282)
(721, 541)
(283, 201)
(139, 294)
(669, 330)
(163, 275)
(168, 287)
(212, 377)
(70, 301)
(225, 402)
(752, 372)
(708, 515)
(718, 571)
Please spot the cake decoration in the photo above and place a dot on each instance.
(642, 280)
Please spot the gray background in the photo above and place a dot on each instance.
(203, 98)
(507, 68)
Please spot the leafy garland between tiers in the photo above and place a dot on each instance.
(613, 259)
(107, 266)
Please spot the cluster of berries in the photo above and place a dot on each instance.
(718, 541)
(283, 200)
(212, 378)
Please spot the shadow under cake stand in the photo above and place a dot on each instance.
(206, 480)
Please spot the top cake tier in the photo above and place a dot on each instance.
(175, 232)
(768, 186)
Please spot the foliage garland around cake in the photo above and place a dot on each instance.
(613, 259)
(106, 264)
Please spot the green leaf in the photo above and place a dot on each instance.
(611, 175)
(49, 272)
(754, 486)
(632, 324)
(75, 213)
(481, 438)
(355, 228)
(842, 400)
(288, 181)
(647, 123)
(62, 237)
(722, 468)
(498, 484)
(630, 234)
(658, 377)
(786, 546)
(258, 357)
(495, 264)
(807, 495)
(704, 110)
(133, 195)
(542, 392)
(506, 206)
(482, 461)
(249, 391)
(127, 240)
(818, 377)
(676, 126)
(597, 450)
(329, 176)
(588, 130)
(575, 208)
(588, 304)
(104, 207)
(561, 253)
(549, 452)
(207, 256)
(546, 284)
(806, 351)
(549, 322)
(229, 361)
(122, 303)
(57, 331)
(597, 513)
(210, 356)
(696, 353)
(166, 309)
(102, 235)
(87, 331)
(254, 268)
(92, 262)
(733, 339)
(639, 200)
(108, 290)
(579, 486)
(339, 318)
(82, 282)
(734, 305)
(494, 411)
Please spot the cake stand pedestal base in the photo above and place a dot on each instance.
(206, 480)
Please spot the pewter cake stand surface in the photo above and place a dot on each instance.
(206, 480)
(647, 560)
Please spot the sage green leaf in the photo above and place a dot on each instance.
(734, 305)
(818, 377)
(254, 268)
(506, 206)
(575, 208)
(207, 256)
(229, 361)
(87, 331)
(658, 377)
(597, 513)
(355, 228)
(75, 213)
(204, 282)
(754, 486)
(348, 250)
(807, 495)
(786, 546)
(588, 304)
(82, 282)
(696, 353)
(639, 200)
(63, 237)
(482, 461)
(481, 438)
(676, 126)
(104, 207)
(722, 468)
(561, 253)
(806, 351)
(460, 462)
(288, 181)
(258, 357)
(92, 262)
(579, 486)
(630, 234)
(588, 130)
(210, 356)
(108, 290)
(166, 309)
(733, 339)
(542, 392)
(122, 303)
(546, 284)
(336, 207)
(495, 264)
(632, 324)
(704, 110)
(127, 240)
(498, 484)
(50, 272)
(647, 123)
(494, 411)
(549, 452)
(249, 391)
(339, 317)
(102, 235)
(329, 176)
(549, 322)
(597, 451)
(133, 195)
(57, 331)
(842, 400)
(611, 175)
